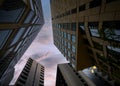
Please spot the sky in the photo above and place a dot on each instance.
(43, 50)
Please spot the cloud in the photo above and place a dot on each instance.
(45, 36)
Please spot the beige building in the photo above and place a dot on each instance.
(32, 74)
(87, 32)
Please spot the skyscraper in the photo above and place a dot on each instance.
(67, 76)
(20, 22)
(31, 75)
(87, 33)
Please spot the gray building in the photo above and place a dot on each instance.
(31, 75)
(67, 76)
(20, 22)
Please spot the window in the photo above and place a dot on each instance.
(114, 48)
(112, 30)
(95, 3)
(26, 32)
(113, 52)
(82, 8)
(73, 49)
(59, 26)
(31, 4)
(65, 43)
(68, 45)
(18, 35)
(29, 17)
(68, 26)
(73, 38)
(11, 15)
(69, 54)
(69, 37)
(74, 11)
(81, 27)
(22, 81)
(93, 26)
(73, 26)
(17, 46)
(4, 34)
(65, 25)
(64, 34)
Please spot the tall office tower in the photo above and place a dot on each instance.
(67, 76)
(87, 33)
(32, 74)
(20, 22)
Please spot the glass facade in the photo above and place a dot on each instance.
(29, 17)
(10, 16)
(4, 34)
(18, 35)
(19, 25)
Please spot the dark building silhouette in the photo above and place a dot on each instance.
(31, 75)
(87, 33)
(20, 22)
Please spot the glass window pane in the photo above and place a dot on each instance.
(68, 45)
(93, 26)
(4, 34)
(73, 26)
(69, 53)
(69, 37)
(114, 48)
(10, 16)
(29, 17)
(27, 31)
(73, 38)
(31, 4)
(19, 34)
(112, 30)
(17, 46)
(73, 48)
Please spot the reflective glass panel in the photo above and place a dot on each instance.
(4, 34)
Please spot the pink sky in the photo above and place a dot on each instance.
(43, 51)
